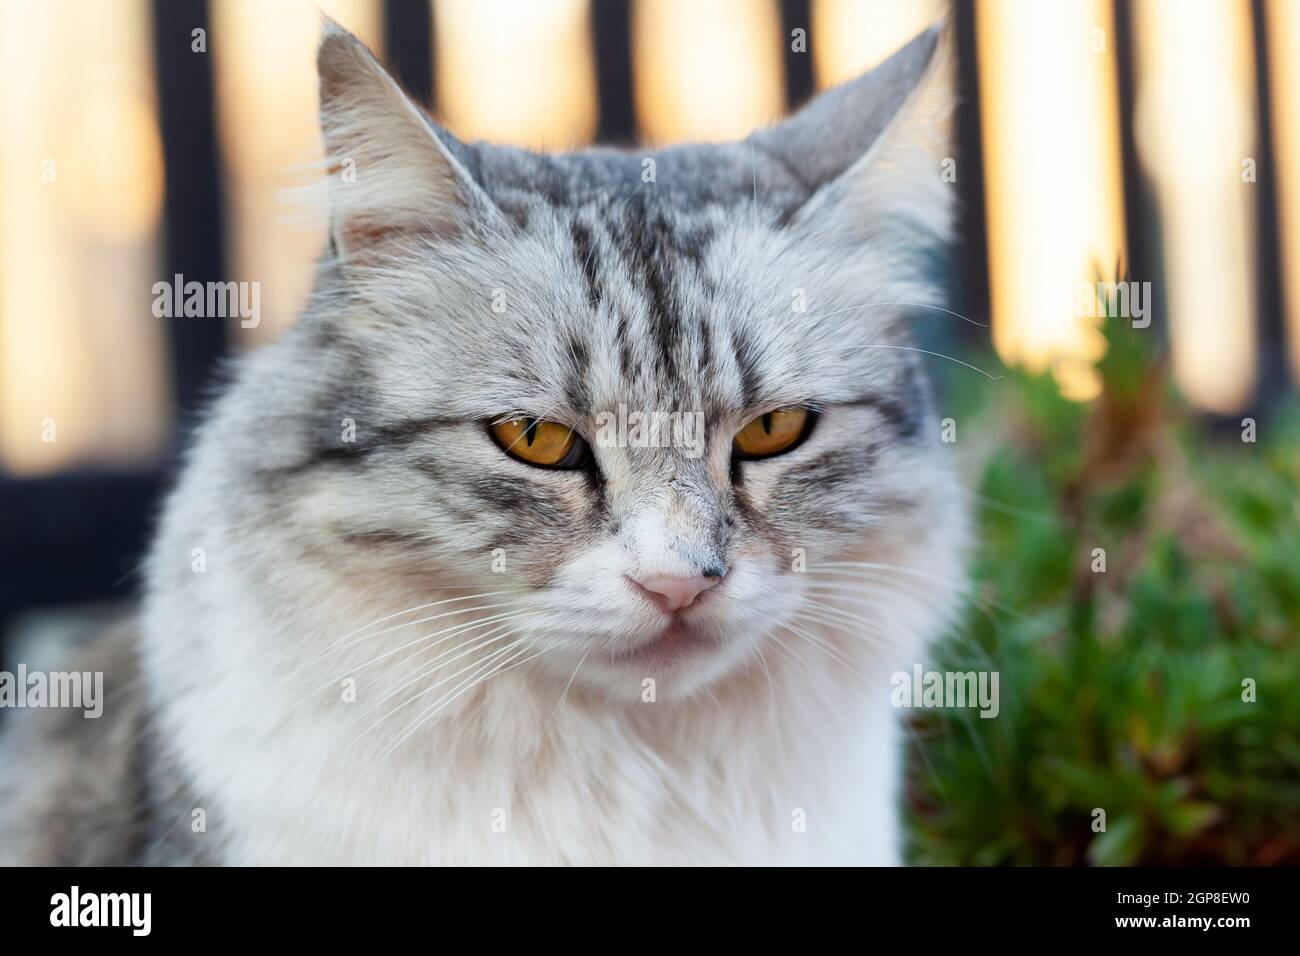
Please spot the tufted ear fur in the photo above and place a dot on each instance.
(391, 178)
(873, 149)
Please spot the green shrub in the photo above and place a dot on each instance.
(1123, 690)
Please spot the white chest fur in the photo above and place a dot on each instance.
(796, 762)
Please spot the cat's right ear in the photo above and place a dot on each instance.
(875, 150)
(392, 181)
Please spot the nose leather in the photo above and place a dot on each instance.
(675, 593)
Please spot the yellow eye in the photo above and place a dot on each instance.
(773, 433)
(537, 442)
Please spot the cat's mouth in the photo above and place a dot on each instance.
(673, 644)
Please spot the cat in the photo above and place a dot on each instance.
(409, 605)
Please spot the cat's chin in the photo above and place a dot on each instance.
(679, 661)
(675, 645)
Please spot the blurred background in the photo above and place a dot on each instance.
(1098, 139)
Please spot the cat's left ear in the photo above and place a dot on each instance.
(392, 180)
(878, 151)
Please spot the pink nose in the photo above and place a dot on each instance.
(672, 593)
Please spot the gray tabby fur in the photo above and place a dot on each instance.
(670, 295)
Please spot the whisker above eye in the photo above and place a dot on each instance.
(908, 305)
(912, 348)
(801, 320)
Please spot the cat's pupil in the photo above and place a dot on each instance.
(530, 432)
(767, 423)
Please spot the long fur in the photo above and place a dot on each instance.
(372, 637)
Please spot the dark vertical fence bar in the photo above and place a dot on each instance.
(1137, 215)
(1271, 324)
(71, 538)
(795, 14)
(1141, 213)
(611, 29)
(408, 46)
(971, 295)
(193, 213)
(79, 536)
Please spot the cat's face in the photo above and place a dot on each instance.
(633, 415)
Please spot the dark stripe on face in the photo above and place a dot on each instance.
(385, 539)
(745, 510)
(584, 249)
(624, 347)
(507, 495)
(905, 420)
(838, 465)
(575, 385)
(515, 211)
(644, 239)
(706, 346)
(551, 182)
(742, 347)
(808, 489)
(805, 492)
(327, 447)
(655, 251)
(691, 245)
(905, 410)
(597, 489)
(663, 311)
(403, 433)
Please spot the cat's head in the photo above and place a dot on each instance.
(643, 407)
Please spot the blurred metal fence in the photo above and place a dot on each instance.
(78, 536)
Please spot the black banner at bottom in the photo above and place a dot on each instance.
(210, 906)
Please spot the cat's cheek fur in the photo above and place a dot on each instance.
(312, 731)
(791, 762)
